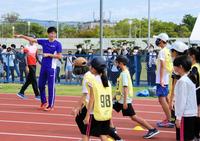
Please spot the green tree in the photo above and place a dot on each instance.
(10, 17)
(189, 21)
(68, 32)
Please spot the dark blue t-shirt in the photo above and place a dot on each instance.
(52, 48)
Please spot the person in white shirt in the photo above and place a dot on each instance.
(162, 78)
(58, 68)
(69, 67)
(185, 99)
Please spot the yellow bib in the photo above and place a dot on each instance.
(197, 66)
(102, 101)
(119, 89)
(168, 60)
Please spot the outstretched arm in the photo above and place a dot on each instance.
(57, 56)
(30, 39)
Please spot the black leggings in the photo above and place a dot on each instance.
(31, 79)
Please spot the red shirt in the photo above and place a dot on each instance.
(31, 52)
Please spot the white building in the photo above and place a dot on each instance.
(93, 24)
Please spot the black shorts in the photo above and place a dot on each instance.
(188, 129)
(198, 97)
(128, 112)
(95, 128)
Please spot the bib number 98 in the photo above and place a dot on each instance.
(105, 101)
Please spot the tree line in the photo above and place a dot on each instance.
(139, 28)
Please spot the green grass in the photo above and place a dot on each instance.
(67, 90)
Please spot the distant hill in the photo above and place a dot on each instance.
(47, 23)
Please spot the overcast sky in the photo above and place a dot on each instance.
(82, 10)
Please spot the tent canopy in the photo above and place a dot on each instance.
(195, 36)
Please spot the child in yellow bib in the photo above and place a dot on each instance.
(99, 111)
(124, 104)
(81, 68)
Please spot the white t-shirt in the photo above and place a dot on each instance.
(185, 98)
(161, 57)
(69, 61)
(125, 83)
(58, 63)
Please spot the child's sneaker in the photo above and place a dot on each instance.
(113, 129)
(48, 109)
(22, 96)
(166, 124)
(151, 133)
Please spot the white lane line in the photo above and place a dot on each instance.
(32, 99)
(61, 96)
(64, 115)
(69, 101)
(60, 115)
(28, 105)
(42, 136)
(66, 107)
(72, 125)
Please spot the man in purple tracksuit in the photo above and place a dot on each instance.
(51, 52)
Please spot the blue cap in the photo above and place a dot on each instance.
(98, 63)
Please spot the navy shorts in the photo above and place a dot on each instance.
(162, 91)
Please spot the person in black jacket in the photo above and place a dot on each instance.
(80, 51)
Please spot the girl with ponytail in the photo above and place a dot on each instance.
(99, 111)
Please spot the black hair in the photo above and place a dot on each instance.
(105, 51)
(51, 29)
(22, 46)
(99, 64)
(114, 52)
(183, 61)
(13, 45)
(79, 46)
(122, 59)
(4, 46)
(196, 52)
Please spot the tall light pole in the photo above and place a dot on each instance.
(13, 31)
(57, 20)
(2, 29)
(101, 27)
(29, 27)
(130, 28)
(149, 23)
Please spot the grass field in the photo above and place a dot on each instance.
(71, 90)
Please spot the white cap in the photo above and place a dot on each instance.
(163, 36)
(179, 46)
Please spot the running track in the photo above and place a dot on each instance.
(21, 120)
